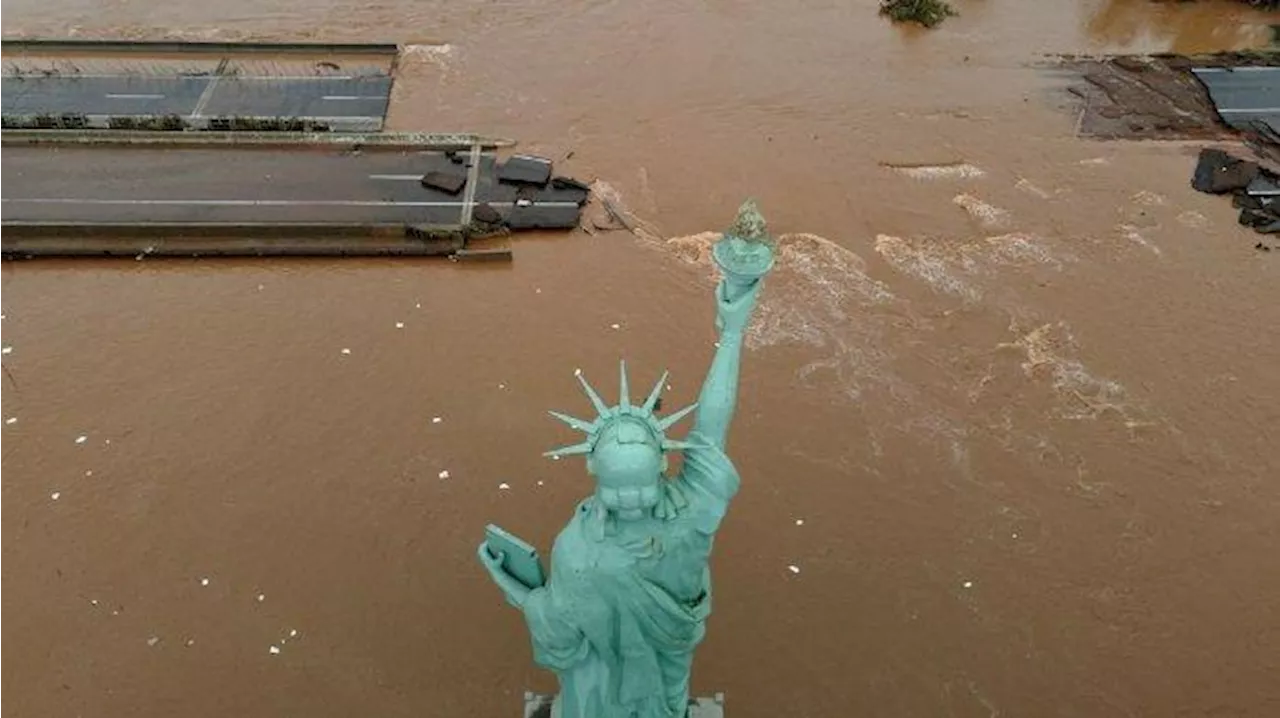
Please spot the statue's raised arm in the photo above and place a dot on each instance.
(744, 256)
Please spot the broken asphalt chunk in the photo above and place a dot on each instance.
(444, 181)
(1218, 172)
(484, 213)
(539, 216)
(525, 169)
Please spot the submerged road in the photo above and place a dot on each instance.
(239, 186)
(343, 101)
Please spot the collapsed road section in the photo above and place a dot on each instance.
(81, 201)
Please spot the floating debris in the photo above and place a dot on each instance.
(968, 584)
(262, 597)
(7, 350)
(444, 474)
(417, 305)
(81, 439)
(799, 522)
(55, 495)
(502, 386)
(793, 568)
(274, 650)
(11, 420)
(436, 420)
(293, 633)
(153, 640)
(346, 350)
(928, 13)
(399, 325)
(504, 486)
(89, 472)
(190, 642)
(93, 601)
(204, 582)
(615, 326)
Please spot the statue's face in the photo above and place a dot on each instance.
(628, 464)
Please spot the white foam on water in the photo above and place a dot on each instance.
(988, 215)
(1135, 235)
(952, 171)
(917, 259)
(1088, 396)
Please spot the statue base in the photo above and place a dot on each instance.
(540, 706)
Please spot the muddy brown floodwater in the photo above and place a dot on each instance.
(1010, 405)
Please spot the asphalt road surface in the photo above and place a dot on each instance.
(1244, 95)
(344, 101)
(240, 186)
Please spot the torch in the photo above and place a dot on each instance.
(745, 253)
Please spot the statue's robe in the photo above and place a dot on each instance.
(627, 602)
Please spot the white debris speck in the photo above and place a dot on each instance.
(346, 350)
(261, 287)
(537, 291)
(968, 584)
(191, 642)
(153, 640)
(11, 420)
(262, 597)
(577, 371)
(436, 420)
(108, 441)
(417, 305)
(399, 325)
(1015, 535)
(7, 350)
(293, 633)
(502, 386)
(89, 472)
(204, 581)
(539, 482)
(799, 522)
(555, 457)
(793, 568)
(615, 326)
(274, 650)
(81, 439)
(444, 474)
(56, 495)
(93, 601)
(504, 486)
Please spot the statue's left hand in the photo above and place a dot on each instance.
(515, 592)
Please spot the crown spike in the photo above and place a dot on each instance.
(601, 408)
(575, 450)
(654, 395)
(624, 394)
(573, 421)
(670, 420)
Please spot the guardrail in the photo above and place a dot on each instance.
(183, 46)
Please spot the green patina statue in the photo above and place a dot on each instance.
(630, 589)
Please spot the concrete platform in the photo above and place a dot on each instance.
(1244, 95)
(541, 706)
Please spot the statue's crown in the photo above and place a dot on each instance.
(625, 411)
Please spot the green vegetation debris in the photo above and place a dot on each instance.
(926, 12)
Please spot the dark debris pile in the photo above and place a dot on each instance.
(1254, 190)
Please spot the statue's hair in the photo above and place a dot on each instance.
(607, 416)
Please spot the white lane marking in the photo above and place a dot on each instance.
(397, 178)
(261, 202)
(1252, 68)
(205, 97)
(354, 97)
(126, 96)
(1243, 110)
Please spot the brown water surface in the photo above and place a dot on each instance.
(1020, 388)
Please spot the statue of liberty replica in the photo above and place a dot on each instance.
(629, 590)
